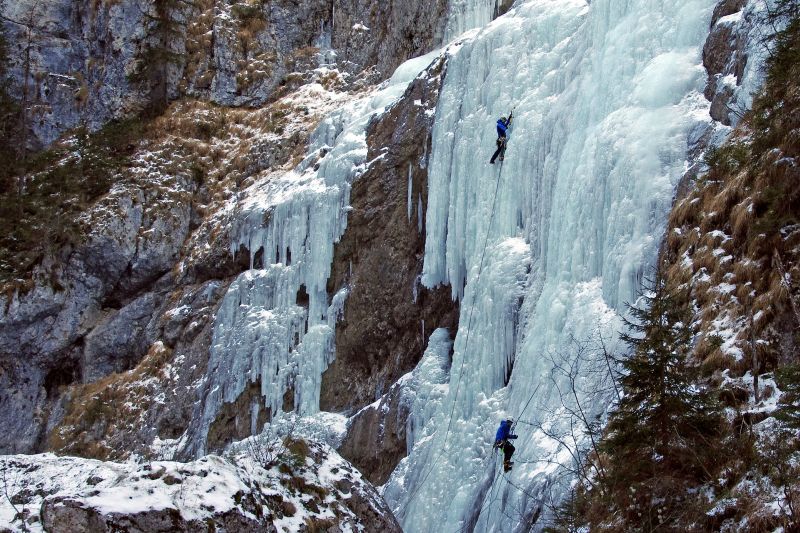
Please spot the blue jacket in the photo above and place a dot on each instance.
(504, 431)
(502, 127)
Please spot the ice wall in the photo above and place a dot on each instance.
(276, 322)
(605, 96)
(464, 15)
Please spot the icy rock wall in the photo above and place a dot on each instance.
(276, 322)
(605, 97)
(733, 56)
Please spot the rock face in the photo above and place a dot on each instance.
(76, 58)
(89, 317)
(725, 58)
(79, 63)
(384, 34)
(274, 485)
(258, 52)
(134, 299)
(376, 437)
(381, 336)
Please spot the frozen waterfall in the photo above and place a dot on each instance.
(605, 96)
(543, 252)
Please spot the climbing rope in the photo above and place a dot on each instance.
(518, 487)
(494, 487)
(524, 408)
(466, 345)
(491, 492)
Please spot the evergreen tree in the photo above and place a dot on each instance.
(660, 438)
(788, 412)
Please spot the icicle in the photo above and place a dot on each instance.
(428, 385)
(464, 15)
(254, 409)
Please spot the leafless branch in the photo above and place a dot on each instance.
(17, 513)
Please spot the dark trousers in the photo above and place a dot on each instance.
(501, 149)
(508, 451)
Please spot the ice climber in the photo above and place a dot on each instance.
(501, 441)
(502, 128)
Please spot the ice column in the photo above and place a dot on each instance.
(605, 96)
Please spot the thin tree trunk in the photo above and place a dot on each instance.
(754, 354)
(785, 284)
(23, 148)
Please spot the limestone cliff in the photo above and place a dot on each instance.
(136, 292)
(84, 63)
(105, 332)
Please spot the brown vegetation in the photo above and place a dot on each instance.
(42, 217)
(105, 406)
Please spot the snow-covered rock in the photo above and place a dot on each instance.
(272, 485)
(732, 60)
